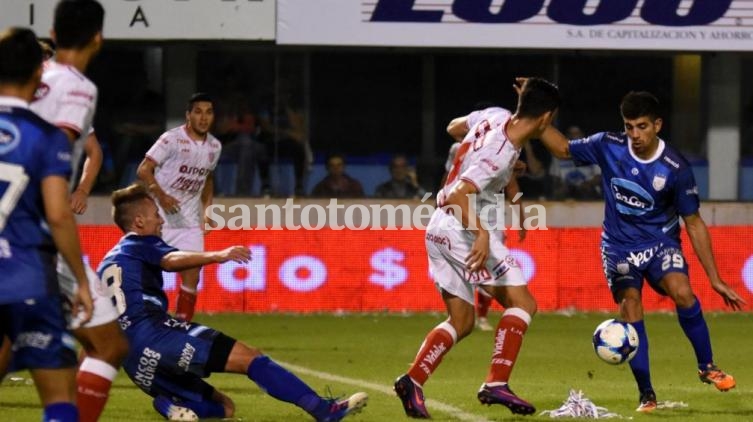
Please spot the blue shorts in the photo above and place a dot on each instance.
(38, 333)
(626, 268)
(170, 357)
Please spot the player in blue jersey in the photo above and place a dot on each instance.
(169, 356)
(36, 222)
(648, 187)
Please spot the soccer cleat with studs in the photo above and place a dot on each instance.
(338, 409)
(173, 412)
(501, 394)
(713, 375)
(647, 402)
(412, 397)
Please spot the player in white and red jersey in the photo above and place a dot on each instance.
(464, 251)
(67, 99)
(458, 129)
(178, 171)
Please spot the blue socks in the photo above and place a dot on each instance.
(639, 364)
(695, 328)
(60, 412)
(205, 409)
(281, 384)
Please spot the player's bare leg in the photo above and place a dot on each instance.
(436, 345)
(520, 306)
(483, 302)
(690, 317)
(105, 347)
(56, 387)
(186, 305)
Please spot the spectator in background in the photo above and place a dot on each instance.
(403, 184)
(245, 149)
(581, 182)
(536, 183)
(337, 184)
(283, 134)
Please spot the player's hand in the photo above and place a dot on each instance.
(730, 296)
(479, 252)
(239, 254)
(169, 204)
(82, 303)
(522, 234)
(79, 201)
(518, 85)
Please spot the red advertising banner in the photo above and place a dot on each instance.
(381, 270)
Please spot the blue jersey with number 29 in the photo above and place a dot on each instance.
(30, 150)
(644, 198)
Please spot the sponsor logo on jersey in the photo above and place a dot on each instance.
(671, 162)
(439, 240)
(489, 163)
(184, 141)
(185, 169)
(186, 356)
(659, 181)
(631, 198)
(81, 94)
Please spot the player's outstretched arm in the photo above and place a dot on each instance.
(458, 128)
(183, 260)
(556, 143)
(65, 235)
(92, 165)
(701, 240)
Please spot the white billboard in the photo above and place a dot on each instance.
(159, 19)
(684, 25)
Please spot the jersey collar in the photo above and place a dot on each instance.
(657, 154)
(13, 102)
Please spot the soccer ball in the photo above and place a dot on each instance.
(615, 342)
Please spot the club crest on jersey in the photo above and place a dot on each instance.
(659, 181)
(9, 136)
(41, 91)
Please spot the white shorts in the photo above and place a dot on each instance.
(185, 239)
(448, 248)
(104, 308)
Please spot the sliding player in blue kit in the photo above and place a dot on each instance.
(648, 187)
(169, 356)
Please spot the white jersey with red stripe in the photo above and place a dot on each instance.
(485, 159)
(496, 116)
(67, 99)
(183, 165)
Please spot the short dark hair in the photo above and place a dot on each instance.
(199, 97)
(124, 202)
(20, 56)
(331, 156)
(538, 97)
(636, 104)
(77, 22)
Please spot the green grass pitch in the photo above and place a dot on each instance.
(367, 352)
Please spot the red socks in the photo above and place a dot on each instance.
(94, 379)
(438, 342)
(507, 341)
(186, 304)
